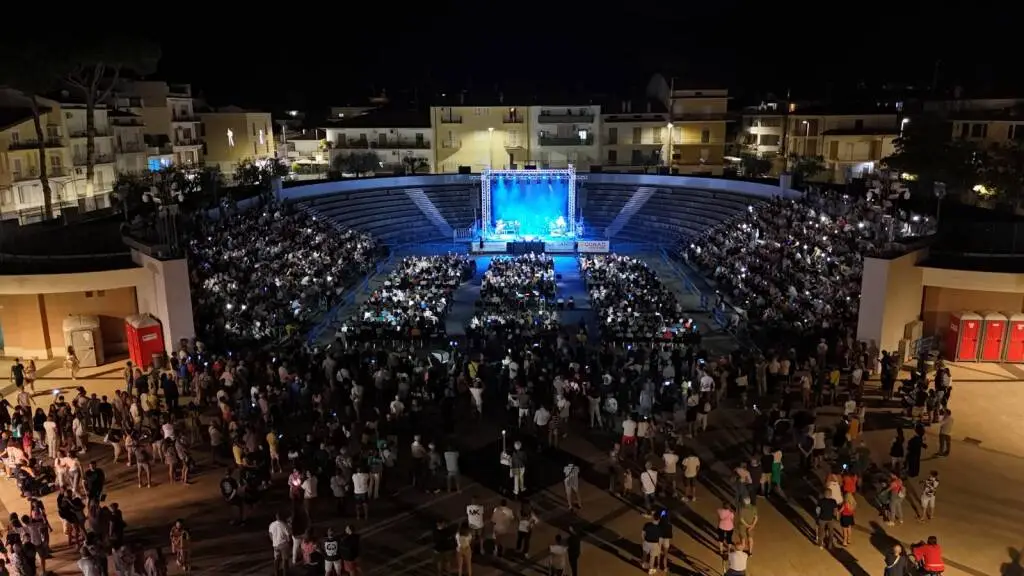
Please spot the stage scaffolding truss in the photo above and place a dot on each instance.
(566, 174)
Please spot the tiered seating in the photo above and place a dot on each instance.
(455, 203)
(388, 214)
(682, 212)
(604, 202)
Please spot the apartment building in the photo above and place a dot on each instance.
(104, 170)
(697, 139)
(232, 135)
(983, 120)
(634, 134)
(480, 137)
(21, 191)
(402, 140)
(170, 124)
(130, 150)
(852, 140)
(563, 135)
(762, 131)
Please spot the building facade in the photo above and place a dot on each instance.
(130, 150)
(104, 162)
(697, 139)
(170, 123)
(21, 190)
(480, 137)
(634, 135)
(852, 145)
(401, 141)
(233, 135)
(983, 120)
(763, 130)
(563, 135)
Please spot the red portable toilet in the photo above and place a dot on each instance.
(1014, 338)
(993, 337)
(145, 338)
(962, 336)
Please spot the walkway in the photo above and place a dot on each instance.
(464, 300)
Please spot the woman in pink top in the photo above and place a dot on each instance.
(726, 523)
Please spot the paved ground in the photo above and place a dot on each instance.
(979, 507)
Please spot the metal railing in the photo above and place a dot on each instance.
(512, 119)
(565, 141)
(186, 142)
(184, 118)
(378, 145)
(83, 133)
(96, 159)
(565, 118)
(451, 119)
(34, 144)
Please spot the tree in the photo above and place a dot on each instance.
(94, 68)
(754, 166)
(358, 163)
(926, 151)
(804, 168)
(414, 164)
(33, 73)
(1002, 170)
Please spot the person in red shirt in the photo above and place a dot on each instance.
(929, 557)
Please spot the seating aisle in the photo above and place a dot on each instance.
(571, 284)
(464, 305)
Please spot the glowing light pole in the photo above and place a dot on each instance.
(668, 161)
(490, 147)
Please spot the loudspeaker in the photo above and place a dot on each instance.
(465, 170)
(595, 168)
(530, 167)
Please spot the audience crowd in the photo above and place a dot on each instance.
(263, 274)
(517, 294)
(631, 300)
(413, 301)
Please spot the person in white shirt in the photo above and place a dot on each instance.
(50, 434)
(397, 407)
(691, 467)
(476, 391)
(309, 491)
(849, 407)
(475, 519)
(643, 434)
(945, 433)
(649, 484)
(671, 460)
(281, 540)
(503, 519)
(361, 493)
(737, 562)
(541, 418)
(629, 436)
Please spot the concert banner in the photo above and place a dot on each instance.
(593, 246)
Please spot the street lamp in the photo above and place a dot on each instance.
(490, 146)
(669, 159)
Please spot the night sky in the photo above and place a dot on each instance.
(454, 45)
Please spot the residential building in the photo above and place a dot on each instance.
(852, 140)
(400, 139)
(21, 190)
(232, 135)
(983, 120)
(130, 150)
(307, 146)
(634, 134)
(480, 137)
(698, 134)
(563, 135)
(169, 120)
(762, 131)
(104, 173)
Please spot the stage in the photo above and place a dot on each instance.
(529, 210)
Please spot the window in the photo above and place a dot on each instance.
(637, 136)
(613, 135)
(965, 130)
(188, 134)
(419, 139)
(769, 140)
(833, 150)
(858, 124)
(979, 130)
(99, 180)
(478, 111)
(6, 196)
(382, 139)
(55, 161)
(705, 136)
(52, 133)
(770, 122)
(613, 156)
(15, 138)
(656, 135)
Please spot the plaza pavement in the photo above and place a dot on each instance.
(978, 510)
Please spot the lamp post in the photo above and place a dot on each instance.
(490, 146)
(668, 161)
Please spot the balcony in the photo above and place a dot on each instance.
(401, 144)
(186, 142)
(512, 119)
(33, 174)
(184, 118)
(451, 144)
(700, 117)
(451, 119)
(565, 141)
(131, 147)
(34, 144)
(566, 117)
(100, 133)
(96, 159)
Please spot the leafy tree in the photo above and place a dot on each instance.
(804, 168)
(754, 166)
(94, 68)
(259, 172)
(414, 164)
(358, 163)
(926, 151)
(33, 72)
(1002, 170)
